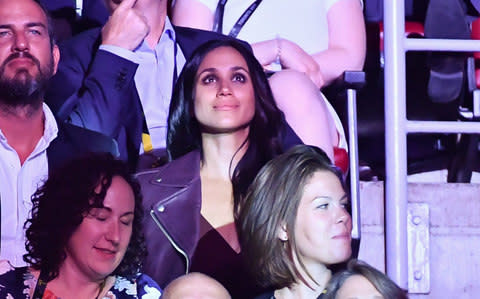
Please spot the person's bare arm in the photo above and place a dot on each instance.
(193, 14)
(291, 56)
(347, 40)
(346, 49)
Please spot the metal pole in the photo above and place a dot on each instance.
(395, 143)
(353, 155)
(79, 7)
(451, 45)
(443, 127)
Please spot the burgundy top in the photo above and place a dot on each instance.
(215, 256)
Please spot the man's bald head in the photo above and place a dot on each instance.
(195, 286)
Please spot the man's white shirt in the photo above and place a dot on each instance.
(17, 185)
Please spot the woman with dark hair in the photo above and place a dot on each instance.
(360, 280)
(84, 238)
(223, 127)
(305, 44)
(295, 224)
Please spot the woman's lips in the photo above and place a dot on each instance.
(225, 106)
(106, 252)
(342, 236)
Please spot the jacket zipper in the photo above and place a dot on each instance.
(175, 245)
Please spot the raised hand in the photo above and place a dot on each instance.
(126, 27)
(292, 56)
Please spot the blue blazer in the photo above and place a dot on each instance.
(73, 142)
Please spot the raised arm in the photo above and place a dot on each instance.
(346, 46)
(92, 87)
(347, 40)
(193, 14)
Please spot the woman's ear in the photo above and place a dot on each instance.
(282, 233)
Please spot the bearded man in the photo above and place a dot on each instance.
(32, 143)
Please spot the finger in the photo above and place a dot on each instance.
(127, 4)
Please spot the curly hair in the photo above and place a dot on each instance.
(272, 201)
(60, 205)
(266, 128)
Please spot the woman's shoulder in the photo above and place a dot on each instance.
(159, 185)
(147, 287)
(143, 286)
(188, 163)
(15, 282)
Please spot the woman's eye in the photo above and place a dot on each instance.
(127, 222)
(101, 218)
(209, 79)
(323, 206)
(238, 78)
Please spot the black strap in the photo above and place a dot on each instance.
(218, 20)
(41, 286)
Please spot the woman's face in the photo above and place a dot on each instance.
(224, 96)
(99, 243)
(358, 287)
(323, 225)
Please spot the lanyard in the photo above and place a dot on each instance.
(218, 19)
(40, 287)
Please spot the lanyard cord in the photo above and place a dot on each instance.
(218, 19)
(41, 286)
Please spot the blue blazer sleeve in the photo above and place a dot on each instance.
(92, 88)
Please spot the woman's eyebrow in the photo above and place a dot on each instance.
(321, 197)
(236, 68)
(127, 213)
(210, 69)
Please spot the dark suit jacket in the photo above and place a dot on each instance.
(73, 142)
(95, 89)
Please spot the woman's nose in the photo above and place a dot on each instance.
(224, 88)
(342, 215)
(113, 233)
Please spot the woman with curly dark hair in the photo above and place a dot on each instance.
(223, 127)
(84, 238)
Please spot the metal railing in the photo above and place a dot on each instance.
(397, 127)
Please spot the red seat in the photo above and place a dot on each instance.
(340, 157)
